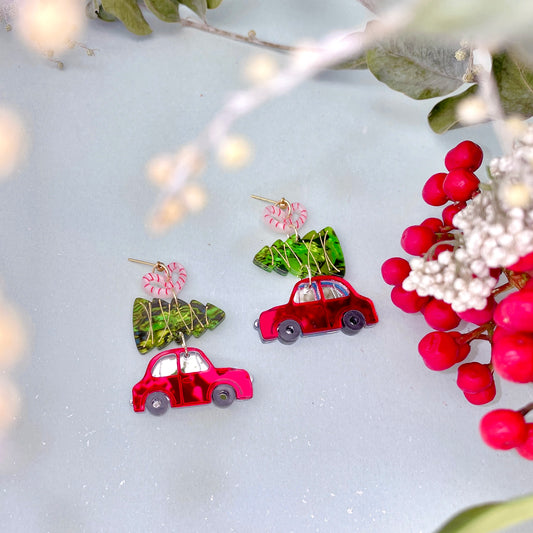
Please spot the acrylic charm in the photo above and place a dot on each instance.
(185, 376)
(322, 301)
(316, 252)
(317, 305)
(158, 322)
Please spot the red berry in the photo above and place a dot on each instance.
(515, 312)
(503, 429)
(480, 316)
(450, 211)
(499, 333)
(464, 348)
(434, 224)
(417, 240)
(440, 315)
(407, 301)
(524, 264)
(465, 155)
(395, 270)
(460, 185)
(512, 357)
(438, 350)
(526, 449)
(483, 397)
(474, 377)
(432, 193)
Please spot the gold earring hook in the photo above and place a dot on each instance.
(160, 267)
(282, 204)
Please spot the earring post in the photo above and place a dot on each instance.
(141, 262)
(264, 199)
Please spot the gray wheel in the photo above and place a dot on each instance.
(157, 403)
(223, 395)
(289, 331)
(352, 322)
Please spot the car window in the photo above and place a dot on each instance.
(306, 292)
(192, 362)
(166, 366)
(333, 290)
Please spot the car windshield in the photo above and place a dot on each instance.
(333, 290)
(192, 361)
(306, 292)
(166, 366)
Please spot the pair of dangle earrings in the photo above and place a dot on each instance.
(322, 301)
(182, 376)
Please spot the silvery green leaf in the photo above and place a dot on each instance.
(212, 4)
(491, 517)
(129, 13)
(515, 84)
(443, 116)
(416, 66)
(166, 10)
(197, 6)
(485, 21)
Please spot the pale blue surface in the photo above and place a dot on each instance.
(343, 434)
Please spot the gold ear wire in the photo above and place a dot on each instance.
(160, 267)
(282, 204)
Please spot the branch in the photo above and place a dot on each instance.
(250, 38)
(304, 64)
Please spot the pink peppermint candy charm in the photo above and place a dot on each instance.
(287, 219)
(167, 284)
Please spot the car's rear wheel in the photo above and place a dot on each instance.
(223, 395)
(289, 331)
(352, 322)
(157, 403)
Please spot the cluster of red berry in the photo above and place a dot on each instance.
(507, 324)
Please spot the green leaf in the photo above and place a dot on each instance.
(515, 84)
(129, 13)
(491, 517)
(416, 66)
(212, 4)
(489, 21)
(104, 15)
(443, 116)
(198, 6)
(166, 10)
(354, 63)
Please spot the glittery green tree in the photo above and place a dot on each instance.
(156, 323)
(317, 252)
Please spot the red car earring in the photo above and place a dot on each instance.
(322, 301)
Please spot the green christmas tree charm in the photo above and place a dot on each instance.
(156, 323)
(313, 254)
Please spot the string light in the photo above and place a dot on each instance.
(50, 24)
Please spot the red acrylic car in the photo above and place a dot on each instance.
(185, 376)
(317, 305)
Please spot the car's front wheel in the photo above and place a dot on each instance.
(223, 395)
(352, 322)
(289, 331)
(157, 403)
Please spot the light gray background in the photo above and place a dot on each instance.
(343, 434)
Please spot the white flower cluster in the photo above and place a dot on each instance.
(496, 229)
(496, 235)
(453, 278)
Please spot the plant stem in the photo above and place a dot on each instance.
(250, 38)
(525, 410)
(476, 334)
